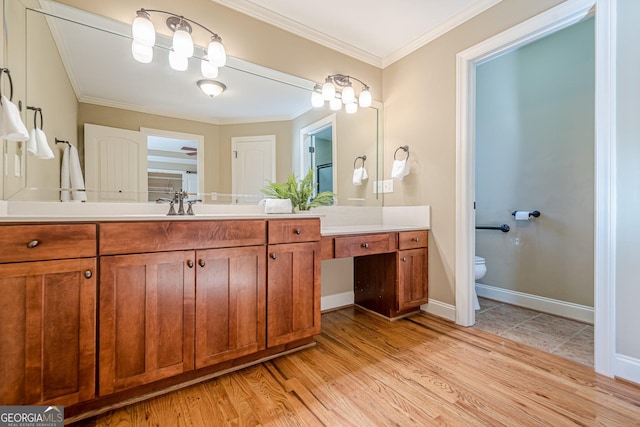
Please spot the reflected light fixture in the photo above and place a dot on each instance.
(144, 38)
(212, 88)
(338, 90)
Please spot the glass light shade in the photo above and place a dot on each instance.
(211, 87)
(141, 53)
(316, 99)
(216, 52)
(335, 104)
(365, 98)
(143, 30)
(177, 62)
(328, 90)
(348, 95)
(207, 69)
(351, 107)
(183, 43)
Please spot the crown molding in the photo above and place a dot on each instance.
(258, 12)
(458, 19)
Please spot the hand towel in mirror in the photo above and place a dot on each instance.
(11, 126)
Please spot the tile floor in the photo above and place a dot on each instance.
(564, 337)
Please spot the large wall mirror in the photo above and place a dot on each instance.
(143, 131)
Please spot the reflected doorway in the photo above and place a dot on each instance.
(319, 152)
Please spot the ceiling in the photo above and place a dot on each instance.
(378, 32)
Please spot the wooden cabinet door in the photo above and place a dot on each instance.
(146, 318)
(412, 287)
(47, 332)
(293, 292)
(230, 303)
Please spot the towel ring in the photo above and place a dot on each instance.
(404, 148)
(35, 116)
(8, 73)
(59, 141)
(363, 158)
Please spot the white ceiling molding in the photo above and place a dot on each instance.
(250, 8)
(265, 15)
(448, 25)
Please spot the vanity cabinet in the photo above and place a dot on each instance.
(47, 314)
(146, 318)
(293, 280)
(181, 295)
(230, 303)
(390, 269)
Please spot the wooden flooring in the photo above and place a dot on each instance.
(420, 371)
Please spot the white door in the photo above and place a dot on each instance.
(253, 165)
(115, 164)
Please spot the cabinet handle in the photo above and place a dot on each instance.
(189, 263)
(365, 245)
(416, 239)
(88, 274)
(273, 256)
(297, 231)
(32, 244)
(403, 259)
(201, 263)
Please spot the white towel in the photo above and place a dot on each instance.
(359, 175)
(11, 126)
(71, 176)
(400, 169)
(282, 206)
(38, 145)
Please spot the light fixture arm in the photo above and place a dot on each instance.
(182, 18)
(344, 80)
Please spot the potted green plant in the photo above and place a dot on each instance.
(299, 192)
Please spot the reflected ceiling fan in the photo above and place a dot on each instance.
(190, 151)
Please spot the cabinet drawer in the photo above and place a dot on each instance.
(138, 237)
(294, 230)
(413, 239)
(366, 244)
(20, 243)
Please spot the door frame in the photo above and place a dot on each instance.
(548, 22)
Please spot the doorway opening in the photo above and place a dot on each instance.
(319, 153)
(535, 28)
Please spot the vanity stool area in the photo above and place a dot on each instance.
(98, 314)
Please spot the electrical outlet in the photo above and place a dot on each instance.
(214, 196)
(387, 186)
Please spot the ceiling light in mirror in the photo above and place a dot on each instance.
(211, 87)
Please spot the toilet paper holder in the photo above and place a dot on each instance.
(534, 214)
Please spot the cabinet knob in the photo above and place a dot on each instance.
(201, 263)
(189, 263)
(273, 256)
(32, 244)
(403, 259)
(416, 239)
(88, 274)
(297, 231)
(365, 245)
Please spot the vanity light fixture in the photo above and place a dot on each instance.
(338, 90)
(212, 88)
(144, 38)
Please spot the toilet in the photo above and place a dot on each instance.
(480, 269)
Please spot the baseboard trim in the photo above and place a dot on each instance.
(569, 310)
(627, 368)
(440, 309)
(331, 302)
